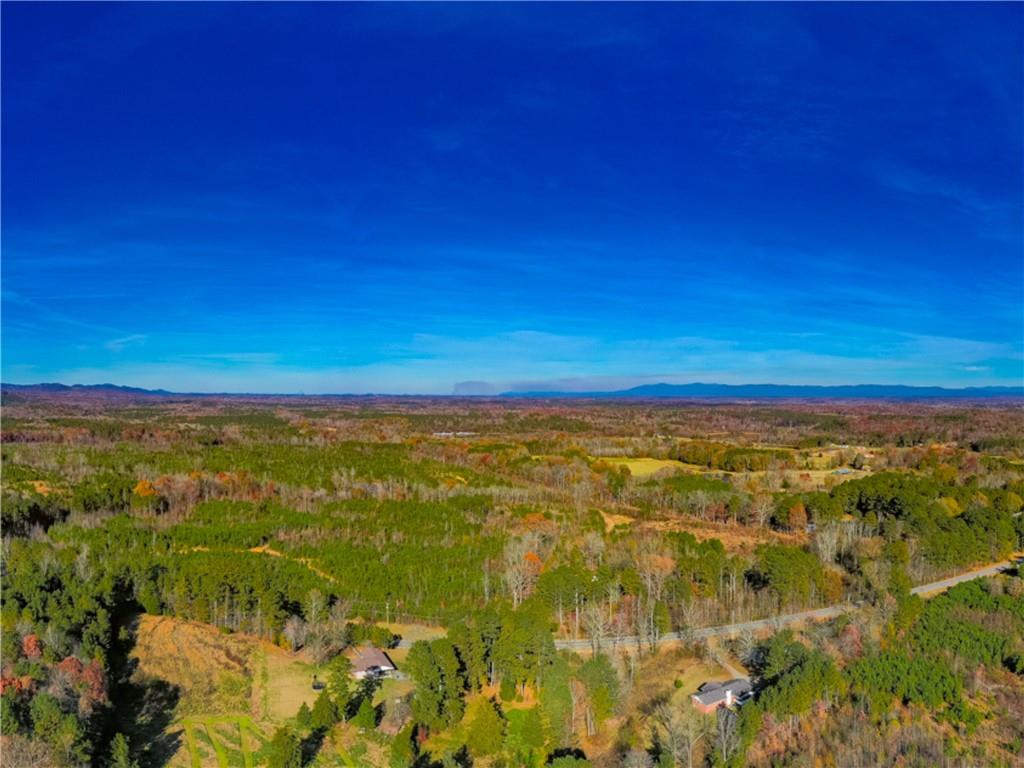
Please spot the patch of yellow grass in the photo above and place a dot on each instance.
(211, 669)
(414, 632)
(645, 467)
(392, 688)
(692, 677)
(222, 674)
(289, 682)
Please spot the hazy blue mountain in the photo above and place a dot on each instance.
(694, 390)
(760, 391)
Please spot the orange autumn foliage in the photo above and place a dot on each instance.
(72, 667)
(144, 489)
(31, 646)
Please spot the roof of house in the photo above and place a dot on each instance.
(712, 693)
(367, 658)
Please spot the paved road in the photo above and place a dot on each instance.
(760, 625)
(952, 581)
(818, 614)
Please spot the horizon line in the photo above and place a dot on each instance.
(638, 391)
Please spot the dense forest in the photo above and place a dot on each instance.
(562, 549)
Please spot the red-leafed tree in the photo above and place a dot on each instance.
(95, 680)
(31, 646)
(72, 667)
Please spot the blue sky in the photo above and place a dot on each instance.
(436, 198)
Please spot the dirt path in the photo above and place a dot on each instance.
(724, 660)
(305, 561)
(612, 520)
(733, 537)
(266, 549)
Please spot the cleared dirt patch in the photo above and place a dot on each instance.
(612, 521)
(735, 538)
(234, 688)
(212, 669)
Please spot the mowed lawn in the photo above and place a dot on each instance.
(289, 682)
(672, 675)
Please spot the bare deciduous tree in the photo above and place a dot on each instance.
(295, 632)
(315, 606)
(20, 752)
(683, 730)
(595, 622)
(593, 549)
(522, 566)
(761, 509)
(637, 758)
(698, 503)
(826, 541)
(727, 733)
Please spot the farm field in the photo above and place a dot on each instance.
(644, 467)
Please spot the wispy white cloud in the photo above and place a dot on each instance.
(530, 360)
(913, 182)
(118, 345)
(246, 358)
(995, 217)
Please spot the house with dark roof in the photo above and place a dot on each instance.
(368, 661)
(711, 696)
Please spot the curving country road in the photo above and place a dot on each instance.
(952, 581)
(775, 622)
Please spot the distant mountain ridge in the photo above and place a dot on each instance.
(113, 388)
(776, 391)
(696, 390)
